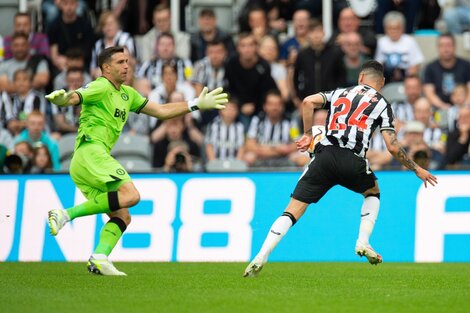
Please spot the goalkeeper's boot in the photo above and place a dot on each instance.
(253, 269)
(57, 219)
(100, 265)
(366, 250)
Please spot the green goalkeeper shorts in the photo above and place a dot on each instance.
(95, 171)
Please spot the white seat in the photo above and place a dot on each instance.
(135, 164)
(233, 165)
(394, 91)
(66, 145)
(135, 146)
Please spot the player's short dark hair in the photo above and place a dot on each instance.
(207, 12)
(107, 54)
(373, 67)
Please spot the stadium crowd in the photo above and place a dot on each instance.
(278, 56)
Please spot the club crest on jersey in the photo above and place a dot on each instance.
(124, 97)
(122, 114)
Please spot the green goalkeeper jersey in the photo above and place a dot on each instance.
(105, 110)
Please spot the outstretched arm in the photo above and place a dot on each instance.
(399, 153)
(63, 98)
(206, 101)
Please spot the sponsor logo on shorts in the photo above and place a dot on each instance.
(124, 97)
(120, 171)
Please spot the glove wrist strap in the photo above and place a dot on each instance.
(192, 105)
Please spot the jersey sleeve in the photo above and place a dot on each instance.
(91, 93)
(327, 96)
(387, 118)
(138, 102)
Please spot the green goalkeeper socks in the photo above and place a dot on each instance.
(110, 235)
(103, 203)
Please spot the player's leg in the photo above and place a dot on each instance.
(369, 213)
(310, 188)
(93, 171)
(295, 209)
(127, 196)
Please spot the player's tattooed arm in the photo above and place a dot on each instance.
(397, 150)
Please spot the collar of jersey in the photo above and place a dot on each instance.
(111, 84)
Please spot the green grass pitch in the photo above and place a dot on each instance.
(219, 287)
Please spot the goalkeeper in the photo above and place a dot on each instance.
(106, 104)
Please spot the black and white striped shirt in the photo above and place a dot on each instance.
(353, 115)
(152, 70)
(207, 75)
(6, 109)
(122, 39)
(267, 133)
(21, 107)
(403, 111)
(225, 139)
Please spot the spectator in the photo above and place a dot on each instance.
(170, 84)
(20, 162)
(403, 110)
(210, 72)
(51, 11)
(397, 51)
(6, 110)
(348, 23)
(353, 57)
(162, 24)
(73, 59)
(290, 48)
(225, 135)
(66, 118)
(42, 162)
(268, 49)
(175, 140)
(319, 66)
(457, 98)
(457, 18)
(152, 70)
(38, 42)
(112, 35)
(248, 77)
(268, 140)
(23, 60)
(25, 100)
(410, 7)
(458, 141)
(35, 134)
(442, 75)
(208, 32)
(258, 24)
(432, 134)
(69, 30)
(141, 123)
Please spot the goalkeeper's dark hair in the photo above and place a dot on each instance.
(106, 55)
(373, 67)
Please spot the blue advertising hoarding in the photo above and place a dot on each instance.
(225, 217)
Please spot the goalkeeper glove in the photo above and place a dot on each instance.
(60, 97)
(206, 101)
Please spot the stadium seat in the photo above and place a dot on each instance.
(134, 146)
(226, 166)
(394, 92)
(132, 164)
(66, 145)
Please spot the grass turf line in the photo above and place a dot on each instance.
(219, 287)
